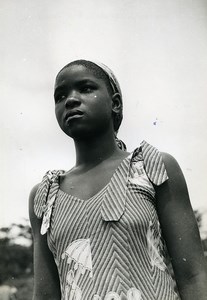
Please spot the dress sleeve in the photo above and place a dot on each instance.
(45, 198)
(153, 164)
(40, 199)
(43, 191)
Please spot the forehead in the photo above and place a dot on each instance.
(76, 73)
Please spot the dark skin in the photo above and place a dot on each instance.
(181, 233)
(97, 156)
(46, 279)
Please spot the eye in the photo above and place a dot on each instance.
(60, 97)
(87, 89)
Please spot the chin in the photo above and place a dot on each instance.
(76, 133)
(83, 132)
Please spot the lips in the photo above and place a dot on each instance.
(73, 114)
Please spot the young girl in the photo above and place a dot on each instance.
(104, 229)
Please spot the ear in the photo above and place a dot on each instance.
(116, 103)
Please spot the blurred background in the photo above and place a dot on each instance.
(157, 49)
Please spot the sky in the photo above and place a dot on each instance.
(158, 51)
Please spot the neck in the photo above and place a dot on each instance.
(92, 151)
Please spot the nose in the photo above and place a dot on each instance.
(72, 101)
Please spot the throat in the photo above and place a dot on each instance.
(95, 150)
(84, 184)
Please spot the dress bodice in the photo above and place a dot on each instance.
(109, 246)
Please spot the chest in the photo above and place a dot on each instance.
(123, 207)
(74, 219)
(84, 185)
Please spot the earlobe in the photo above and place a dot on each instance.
(116, 103)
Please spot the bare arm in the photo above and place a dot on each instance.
(46, 279)
(181, 233)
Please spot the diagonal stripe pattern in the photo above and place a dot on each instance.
(121, 224)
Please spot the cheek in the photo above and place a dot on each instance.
(58, 113)
(103, 113)
(101, 106)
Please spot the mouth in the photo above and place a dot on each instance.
(73, 114)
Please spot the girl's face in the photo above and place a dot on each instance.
(83, 104)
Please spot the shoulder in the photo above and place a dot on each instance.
(153, 163)
(169, 160)
(174, 190)
(39, 195)
(33, 191)
(152, 154)
(175, 174)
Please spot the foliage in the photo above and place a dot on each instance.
(17, 233)
(24, 287)
(199, 219)
(15, 259)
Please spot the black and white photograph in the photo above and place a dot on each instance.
(103, 150)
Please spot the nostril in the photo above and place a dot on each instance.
(72, 102)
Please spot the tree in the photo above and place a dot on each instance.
(15, 251)
(199, 218)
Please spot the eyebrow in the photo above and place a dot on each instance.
(80, 82)
(83, 81)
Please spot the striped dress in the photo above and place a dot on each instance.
(110, 246)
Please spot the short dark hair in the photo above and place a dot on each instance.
(100, 73)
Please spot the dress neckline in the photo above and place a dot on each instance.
(72, 197)
(128, 157)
